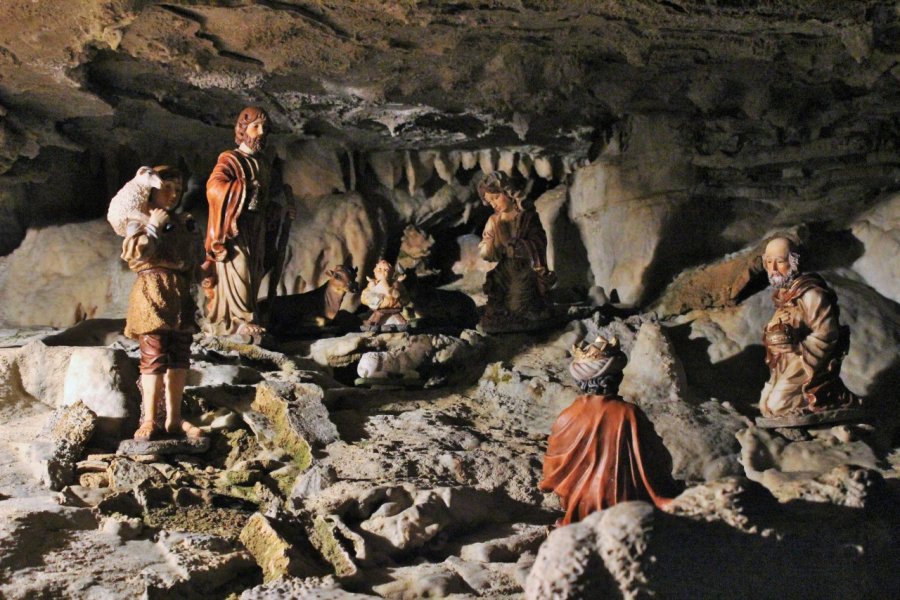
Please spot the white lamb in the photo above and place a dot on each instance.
(130, 202)
(394, 363)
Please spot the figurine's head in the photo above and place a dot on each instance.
(252, 128)
(499, 191)
(168, 195)
(383, 270)
(597, 367)
(781, 261)
(415, 242)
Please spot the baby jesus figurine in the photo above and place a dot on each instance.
(386, 296)
(164, 249)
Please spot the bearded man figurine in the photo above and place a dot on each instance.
(805, 342)
(602, 449)
(239, 231)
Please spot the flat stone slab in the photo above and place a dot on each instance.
(841, 415)
(385, 383)
(166, 446)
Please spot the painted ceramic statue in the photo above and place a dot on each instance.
(386, 296)
(603, 450)
(243, 220)
(513, 237)
(804, 340)
(164, 249)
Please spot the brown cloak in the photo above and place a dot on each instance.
(236, 240)
(603, 450)
(805, 345)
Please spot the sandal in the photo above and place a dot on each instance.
(146, 432)
(186, 429)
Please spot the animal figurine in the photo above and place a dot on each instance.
(130, 202)
(296, 314)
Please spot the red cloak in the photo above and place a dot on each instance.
(603, 450)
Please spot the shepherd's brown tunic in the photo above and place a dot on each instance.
(160, 298)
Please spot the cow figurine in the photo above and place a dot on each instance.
(297, 314)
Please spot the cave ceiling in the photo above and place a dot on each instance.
(420, 74)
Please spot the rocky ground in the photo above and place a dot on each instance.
(314, 488)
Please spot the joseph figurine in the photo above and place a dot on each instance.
(243, 220)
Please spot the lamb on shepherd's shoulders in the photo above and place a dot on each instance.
(130, 202)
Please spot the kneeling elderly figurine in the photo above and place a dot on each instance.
(603, 450)
(805, 342)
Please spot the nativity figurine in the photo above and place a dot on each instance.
(805, 345)
(517, 287)
(244, 229)
(386, 296)
(602, 449)
(314, 311)
(415, 250)
(164, 249)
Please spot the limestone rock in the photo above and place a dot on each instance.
(298, 417)
(313, 169)
(62, 443)
(276, 555)
(61, 275)
(42, 371)
(310, 588)
(339, 545)
(422, 581)
(104, 379)
(521, 539)
(206, 562)
(630, 550)
(566, 253)
(623, 210)
(833, 467)
(167, 446)
(699, 435)
(569, 566)
(125, 475)
(879, 231)
(325, 233)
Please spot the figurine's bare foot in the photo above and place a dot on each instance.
(185, 428)
(147, 431)
(250, 329)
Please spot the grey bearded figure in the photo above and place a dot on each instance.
(805, 342)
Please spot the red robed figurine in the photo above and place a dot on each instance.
(603, 450)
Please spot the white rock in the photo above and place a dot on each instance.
(879, 231)
(313, 169)
(388, 167)
(700, 436)
(543, 166)
(106, 381)
(322, 236)
(525, 164)
(469, 160)
(506, 161)
(418, 167)
(487, 160)
(446, 164)
(60, 275)
(622, 207)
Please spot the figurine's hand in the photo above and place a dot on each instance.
(291, 211)
(158, 218)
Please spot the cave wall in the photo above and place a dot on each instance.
(655, 137)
